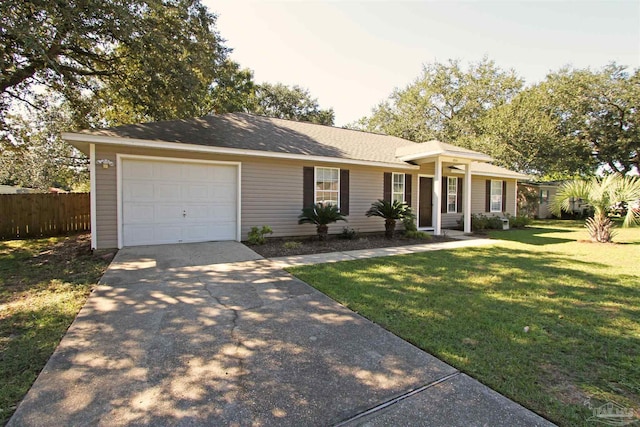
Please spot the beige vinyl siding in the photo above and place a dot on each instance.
(428, 169)
(271, 193)
(478, 188)
(106, 202)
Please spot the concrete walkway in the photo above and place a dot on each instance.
(180, 336)
(290, 261)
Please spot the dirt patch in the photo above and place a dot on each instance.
(277, 247)
(562, 386)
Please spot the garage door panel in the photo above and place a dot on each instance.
(138, 169)
(139, 191)
(166, 191)
(224, 193)
(225, 174)
(168, 171)
(156, 193)
(197, 191)
(139, 213)
(167, 213)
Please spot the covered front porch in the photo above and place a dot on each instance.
(444, 183)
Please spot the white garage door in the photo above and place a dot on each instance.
(172, 202)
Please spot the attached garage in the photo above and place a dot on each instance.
(163, 201)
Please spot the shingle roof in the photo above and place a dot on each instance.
(258, 133)
(436, 147)
(251, 132)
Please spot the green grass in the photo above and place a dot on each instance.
(469, 307)
(43, 285)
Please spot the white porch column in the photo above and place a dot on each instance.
(466, 191)
(437, 198)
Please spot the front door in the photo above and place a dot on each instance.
(425, 204)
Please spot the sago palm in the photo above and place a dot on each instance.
(601, 194)
(321, 215)
(391, 212)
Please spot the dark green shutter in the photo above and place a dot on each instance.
(504, 196)
(308, 176)
(444, 198)
(487, 200)
(386, 191)
(460, 180)
(344, 191)
(407, 189)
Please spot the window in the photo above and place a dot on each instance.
(397, 189)
(452, 194)
(327, 186)
(544, 196)
(496, 196)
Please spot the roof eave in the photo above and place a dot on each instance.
(81, 141)
(477, 157)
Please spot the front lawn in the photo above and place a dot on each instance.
(43, 285)
(579, 302)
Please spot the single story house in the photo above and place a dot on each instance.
(12, 189)
(215, 177)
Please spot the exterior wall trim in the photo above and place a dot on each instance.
(92, 196)
(121, 157)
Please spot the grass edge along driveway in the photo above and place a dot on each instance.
(579, 303)
(43, 285)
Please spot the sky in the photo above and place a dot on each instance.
(351, 55)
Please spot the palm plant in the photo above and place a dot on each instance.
(391, 212)
(602, 194)
(321, 215)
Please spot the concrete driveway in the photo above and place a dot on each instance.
(209, 334)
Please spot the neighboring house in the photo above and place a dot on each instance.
(546, 195)
(213, 178)
(11, 189)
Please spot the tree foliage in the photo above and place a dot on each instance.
(599, 112)
(602, 194)
(292, 103)
(572, 123)
(445, 102)
(35, 156)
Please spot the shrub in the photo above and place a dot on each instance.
(348, 233)
(321, 215)
(391, 212)
(292, 244)
(415, 234)
(480, 222)
(518, 221)
(257, 235)
(409, 222)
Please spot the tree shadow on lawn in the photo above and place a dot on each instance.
(470, 307)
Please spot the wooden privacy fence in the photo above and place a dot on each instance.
(37, 215)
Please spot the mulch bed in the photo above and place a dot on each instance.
(276, 247)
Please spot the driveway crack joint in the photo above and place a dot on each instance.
(395, 400)
(234, 335)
